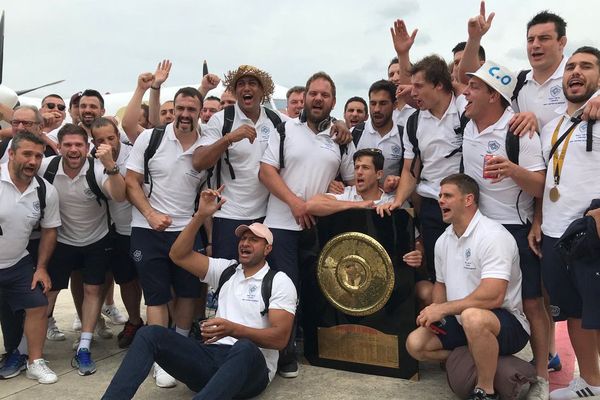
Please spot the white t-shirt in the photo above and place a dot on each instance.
(400, 116)
(390, 145)
(240, 301)
(436, 139)
(350, 194)
(19, 215)
(485, 250)
(246, 196)
(120, 211)
(312, 161)
(542, 100)
(579, 181)
(84, 221)
(498, 200)
(175, 182)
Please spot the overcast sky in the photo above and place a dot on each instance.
(105, 44)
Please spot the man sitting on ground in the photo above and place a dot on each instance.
(239, 355)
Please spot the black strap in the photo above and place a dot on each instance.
(3, 147)
(357, 133)
(563, 137)
(589, 136)
(412, 124)
(153, 143)
(229, 115)
(521, 79)
(513, 146)
(265, 290)
(41, 193)
(281, 131)
(90, 177)
(50, 173)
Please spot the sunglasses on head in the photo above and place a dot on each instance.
(51, 106)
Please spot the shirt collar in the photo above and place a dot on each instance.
(259, 275)
(557, 74)
(452, 109)
(501, 124)
(371, 129)
(474, 221)
(5, 177)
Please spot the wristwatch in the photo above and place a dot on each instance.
(113, 171)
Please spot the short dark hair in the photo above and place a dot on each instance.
(52, 95)
(589, 50)
(213, 98)
(386, 86)
(189, 92)
(466, 184)
(25, 136)
(359, 99)
(321, 75)
(392, 62)
(93, 93)
(435, 70)
(375, 154)
(71, 129)
(560, 26)
(461, 47)
(101, 122)
(294, 89)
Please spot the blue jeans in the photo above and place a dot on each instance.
(214, 371)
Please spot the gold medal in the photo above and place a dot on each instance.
(554, 194)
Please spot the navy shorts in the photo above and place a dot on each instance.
(511, 339)
(574, 290)
(121, 263)
(157, 273)
(93, 261)
(224, 241)
(432, 227)
(531, 270)
(15, 283)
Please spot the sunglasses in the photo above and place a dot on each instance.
(26, 124)
(51, 106)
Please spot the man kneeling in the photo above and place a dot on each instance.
(239, 355)
(477, 294)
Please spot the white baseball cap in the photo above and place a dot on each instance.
(500, 78)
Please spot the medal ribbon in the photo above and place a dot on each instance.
(557, 159)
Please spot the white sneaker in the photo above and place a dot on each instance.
(76, 323)
(102, 329)
(112, 312)
(163, 379)
(40, 371)
(53, 333)
(577, 388)
(539, 390)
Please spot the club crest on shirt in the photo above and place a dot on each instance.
(252, 293)
(493, 146)
(555, 91)
(36, 206)
(264, 133)
(88, 193)
(137, 255)
(396, 151)
(468, 262)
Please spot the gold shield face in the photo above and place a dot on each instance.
(355, 274)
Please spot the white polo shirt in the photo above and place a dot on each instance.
(485, 250)
(437, 139)
(83, 219)
(120, 211)
(400, 116)
(246, 196)
(350, 194)
(498, 201)
(542, 99)
(312, 161)
(19, 215)
(390, 145)
(175, 181)
(579, 181)
(240, 301)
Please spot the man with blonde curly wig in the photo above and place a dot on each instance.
(232, 145)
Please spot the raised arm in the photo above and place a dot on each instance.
(477, 27)
(160, 76)
(131, 115)
(182, 251)
(402, 44)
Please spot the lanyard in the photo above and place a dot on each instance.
(557, 159)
